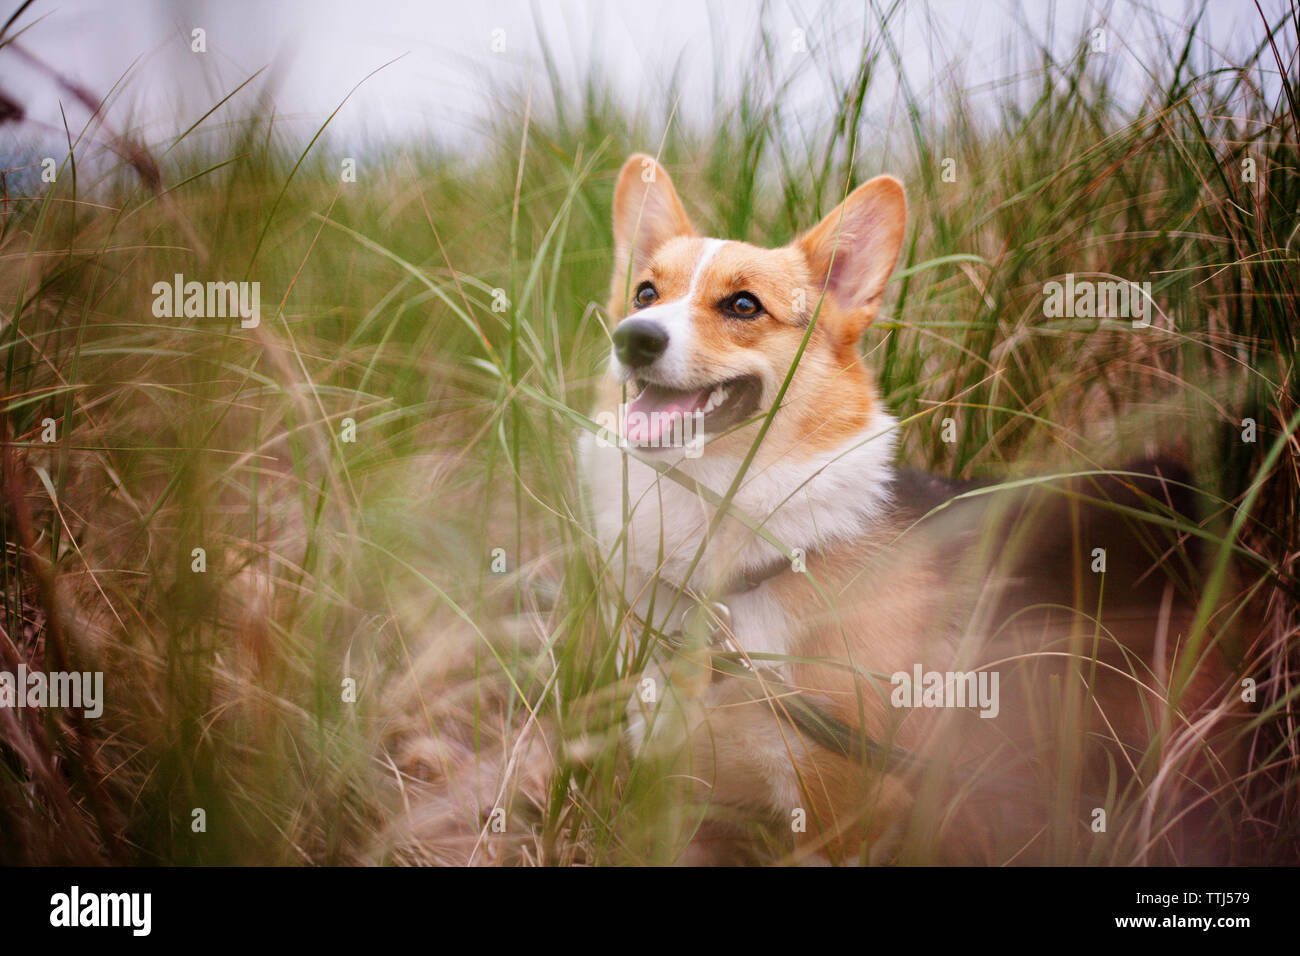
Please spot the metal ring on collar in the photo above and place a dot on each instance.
(708, 619)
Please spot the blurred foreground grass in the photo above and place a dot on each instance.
(357, 467)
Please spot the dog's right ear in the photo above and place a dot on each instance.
(647, 213)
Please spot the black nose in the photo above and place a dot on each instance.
(639, 342)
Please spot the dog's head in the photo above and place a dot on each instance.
(709, 328)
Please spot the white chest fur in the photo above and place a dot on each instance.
(809, 504)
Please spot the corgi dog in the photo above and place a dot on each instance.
(883, 664)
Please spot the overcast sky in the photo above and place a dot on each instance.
(448, 77)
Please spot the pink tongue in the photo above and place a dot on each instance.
(656, 410)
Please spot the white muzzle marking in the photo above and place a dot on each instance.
(675, 317)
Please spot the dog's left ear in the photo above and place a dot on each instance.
(852, 252)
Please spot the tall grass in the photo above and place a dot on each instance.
(448, 308)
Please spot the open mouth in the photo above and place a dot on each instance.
(663, 417)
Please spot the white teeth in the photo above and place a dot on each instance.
(716, 398)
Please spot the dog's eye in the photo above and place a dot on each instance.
(743, 305)
(645, 295)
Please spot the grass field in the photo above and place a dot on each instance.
(398, 621)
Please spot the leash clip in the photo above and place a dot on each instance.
(706, 627)
(706, 624)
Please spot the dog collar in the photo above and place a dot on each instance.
(706, 624)
(748, 581)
